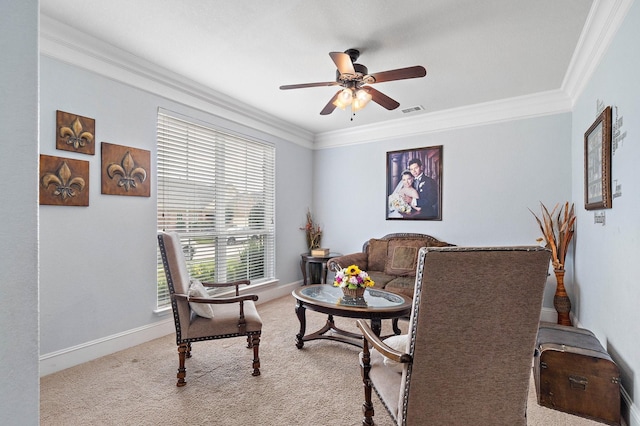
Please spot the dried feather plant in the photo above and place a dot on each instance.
(557, 231)
(313, 232)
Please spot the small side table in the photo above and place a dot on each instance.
(316, 267)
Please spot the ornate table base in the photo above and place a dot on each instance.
(351, 310)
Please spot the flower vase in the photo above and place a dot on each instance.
(314, 241)
(561, 300)
(353, 292)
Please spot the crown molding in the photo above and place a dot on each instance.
(535, 105)
(601, 26)
(68, 45)
(71, 46)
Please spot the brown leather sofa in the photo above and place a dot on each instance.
(390, 261)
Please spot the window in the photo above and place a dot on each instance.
(217, 190)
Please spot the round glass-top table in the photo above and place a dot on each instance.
(376, 305)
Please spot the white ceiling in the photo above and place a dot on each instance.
(475, 51)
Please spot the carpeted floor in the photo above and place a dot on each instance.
(318, 385)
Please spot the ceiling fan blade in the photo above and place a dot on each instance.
(381, 99)
(400, 74)
(328, 109)
(343, 62)
(303, 85)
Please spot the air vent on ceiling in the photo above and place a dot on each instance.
(413, 109)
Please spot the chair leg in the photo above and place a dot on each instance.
(188, 354)
(182, 372)
(367, 406)
(249, 342)
(255, 344)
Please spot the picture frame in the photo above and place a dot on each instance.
(414, 184)
(597, 163)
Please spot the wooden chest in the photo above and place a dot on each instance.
(573, 373)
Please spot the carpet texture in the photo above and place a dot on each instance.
(317, 385)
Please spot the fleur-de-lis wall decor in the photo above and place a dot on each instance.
(125, 170)
(63, 181)
(75, 133)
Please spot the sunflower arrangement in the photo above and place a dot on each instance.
(557, 231)
(352, 277)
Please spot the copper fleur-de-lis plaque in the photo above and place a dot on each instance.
(125, 170)
(75, 133)
(63, 181)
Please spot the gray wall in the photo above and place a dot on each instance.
(492, 175)
(485, 169)
(605, 291)
(20, 390)
(98, 263)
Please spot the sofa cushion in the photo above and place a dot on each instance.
(380, 278)
(377, 254)
(403, 256)
(404, 286)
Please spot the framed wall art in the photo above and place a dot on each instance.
(75, 133)
(125, 170)
(63, 181)
(414, 184)
(597, 163)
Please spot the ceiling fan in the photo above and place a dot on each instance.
(355, 80)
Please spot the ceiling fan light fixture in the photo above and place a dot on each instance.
(363, 96)
(361, 100)
(344, 99)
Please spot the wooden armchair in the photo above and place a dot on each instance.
(468, 354)
(231, 316)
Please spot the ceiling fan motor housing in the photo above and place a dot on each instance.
(361, 75)
(354, 54)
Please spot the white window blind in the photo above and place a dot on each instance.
(217, 190)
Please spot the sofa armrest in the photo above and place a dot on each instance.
(360, 259)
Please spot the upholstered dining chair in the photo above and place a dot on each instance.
(467, 357)
(199, 317)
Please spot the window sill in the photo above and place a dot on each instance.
(162, 311)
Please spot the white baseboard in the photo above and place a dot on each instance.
(548, 315)
(634, 416)
(272, 293)
(68, 357)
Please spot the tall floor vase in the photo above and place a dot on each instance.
(561, 300)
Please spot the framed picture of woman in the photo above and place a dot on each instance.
(414, 184)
